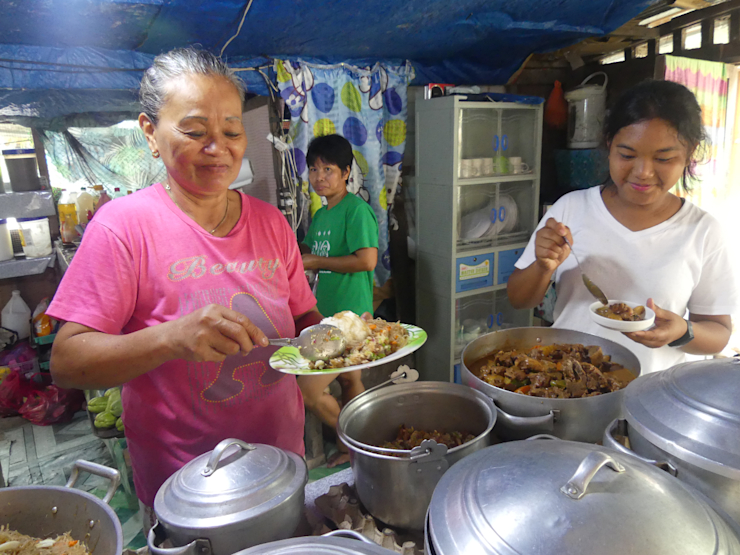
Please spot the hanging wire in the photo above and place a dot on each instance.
(239, 29)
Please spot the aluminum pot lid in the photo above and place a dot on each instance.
(320, 545)
(691, 411)
(234, 482)
(554, 497)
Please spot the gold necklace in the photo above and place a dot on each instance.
(226, 212)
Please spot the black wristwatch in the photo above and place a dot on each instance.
(685, 338)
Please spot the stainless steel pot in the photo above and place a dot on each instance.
(237, 496)
(397, 489)
(556, 497)
(687, 420)
(48, 511)
(521, 416)
(329, 544)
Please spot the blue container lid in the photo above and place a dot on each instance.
(19, 152)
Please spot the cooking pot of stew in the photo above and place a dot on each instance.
(546, 380)
(402, 438)
(686, 420)
(46, 512)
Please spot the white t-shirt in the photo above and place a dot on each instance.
(682, 263)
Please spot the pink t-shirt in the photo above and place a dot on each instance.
(143, 262)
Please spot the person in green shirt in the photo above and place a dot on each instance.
(342, 246)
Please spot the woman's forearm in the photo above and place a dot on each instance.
(710, 336)
(83, 358)
(526, 288)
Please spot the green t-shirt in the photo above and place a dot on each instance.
(348, 227)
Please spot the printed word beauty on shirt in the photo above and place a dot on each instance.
(197, 266)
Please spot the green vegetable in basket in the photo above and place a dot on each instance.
(97, 404)
(115, 405)
(119, 425)
(111, 391)
(105, 420)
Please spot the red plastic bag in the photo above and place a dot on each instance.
(14, 390)
(52, 405)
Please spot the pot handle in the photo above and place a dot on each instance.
(98, 470)
(218, 452)
(350, 534)
(578, 483)
(619, 425)
(545, 422)
(157, 535)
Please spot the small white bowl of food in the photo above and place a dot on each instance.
(622, 316)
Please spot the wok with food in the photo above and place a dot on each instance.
(559, 371)
(366, 340)
(560, 411)
(15, 543)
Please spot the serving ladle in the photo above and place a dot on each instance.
(590, 285)
(317, 342)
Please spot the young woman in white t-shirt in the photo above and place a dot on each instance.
(637, 240)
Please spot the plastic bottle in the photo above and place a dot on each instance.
(102, 200)
(85, 205)
(16, 316)
(68, 217)
(556, 108)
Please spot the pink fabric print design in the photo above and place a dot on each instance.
(253, 372)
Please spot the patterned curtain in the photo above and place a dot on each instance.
(709, 81)
(368, 107)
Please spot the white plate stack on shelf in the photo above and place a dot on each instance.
(494, 219)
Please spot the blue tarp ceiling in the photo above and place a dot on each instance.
(59, 57)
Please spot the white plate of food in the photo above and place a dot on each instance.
(622, 316)
(369, 343)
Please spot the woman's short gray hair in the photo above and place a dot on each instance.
(174, 64)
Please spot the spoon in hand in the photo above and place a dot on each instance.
(590, 285)
(318, 342)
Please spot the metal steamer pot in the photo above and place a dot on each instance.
(237, 496)
(395, 486)
(521, 416)
(556, 497)
(328, 544)
(686, 420)
(48, 511)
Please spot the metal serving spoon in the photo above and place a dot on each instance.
(318, 342)
(590, 285)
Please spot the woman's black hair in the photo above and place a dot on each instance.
(666, 100)
(330, 149)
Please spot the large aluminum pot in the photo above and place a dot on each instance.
(521, 416)
(48, 511)
(328, 544)
(397, 489)
(686, 420)
(558, 497)
(237, 496)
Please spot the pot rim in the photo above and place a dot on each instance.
(417, 387)
(552, 402)
(88, 496)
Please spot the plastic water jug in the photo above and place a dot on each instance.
(586, 111)
(85, 206)
(68, 217)
(16, 316)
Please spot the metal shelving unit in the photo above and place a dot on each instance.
(472, 224)
(31, 204)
